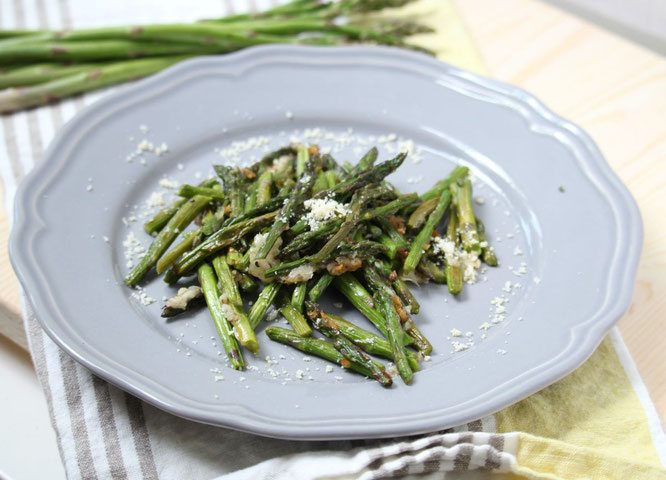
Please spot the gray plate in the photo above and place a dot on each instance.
(580, 246)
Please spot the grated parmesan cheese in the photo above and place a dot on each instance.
(156, 199)
(183, 297)
(167, 183)
(321, 210)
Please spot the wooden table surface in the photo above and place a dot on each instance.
(614, 89)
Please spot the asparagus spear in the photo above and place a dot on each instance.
(302, 157)
(394, 332)
(352, 218)
(296, 320)
(368, 160)
(405, 294)
(176, 224)
(212, 294)
(349, 350)
(466, 217)
(172, 255)
(262, 303)
(245, 282)
(391, 246)
(436, 191)
(298, 296)
(161, 218)
(157, 223)
(227, 281)
(188, 191)
(314, 346)
(391, 207)
(306, 239)
(428, 268)
(13, 99)
(420, 340)
(350, 287)
(487, 251)
(370, 342)
(423, 237)
(399, 286)
(34, 74)
(232, 305)
(264, 187)
(419, 216)
(251, 201)
(27, 51)
(391, 231)
(288, 211)
(234, 186)
(332, 178)
(219, 240)
(357, 250)
(453, 268)
(320, 184)
(318, 288)
(374, 174)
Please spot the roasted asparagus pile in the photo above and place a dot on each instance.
(42, 66)
(298, 222)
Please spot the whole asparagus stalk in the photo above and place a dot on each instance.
(39, 73)
(307, 23)
(13, 99)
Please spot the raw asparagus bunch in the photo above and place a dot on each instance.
(42, 66)
(299, 222)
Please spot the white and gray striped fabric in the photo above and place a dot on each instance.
(104, 432)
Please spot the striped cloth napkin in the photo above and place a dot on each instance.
(580, 427)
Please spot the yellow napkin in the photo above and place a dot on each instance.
(591, 424)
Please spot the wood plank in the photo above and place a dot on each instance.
(11, 323)
(616, 91)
